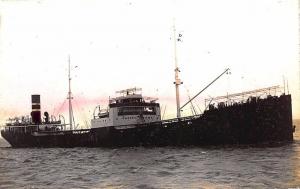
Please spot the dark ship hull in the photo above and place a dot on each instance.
(256, 121)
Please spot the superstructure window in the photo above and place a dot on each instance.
(136, 110)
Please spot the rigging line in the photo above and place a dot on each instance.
(85, 117)
(193, 110)
(62, 105)
(77, 111)
(84, 113)
(197, 104)
(193, 107)
(80, 111)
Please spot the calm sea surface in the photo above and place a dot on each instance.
(168, 167)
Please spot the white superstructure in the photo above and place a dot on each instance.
(130, 109)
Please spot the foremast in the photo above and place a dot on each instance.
(71, 117)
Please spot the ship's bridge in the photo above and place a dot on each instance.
(132, 97)
(127, 99)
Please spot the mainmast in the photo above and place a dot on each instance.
(70, 98)
(177, 80)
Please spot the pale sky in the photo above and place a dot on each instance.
(120, 44)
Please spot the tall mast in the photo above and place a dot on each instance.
(177, 80)
(70, 98)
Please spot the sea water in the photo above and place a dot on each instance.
(163, 167)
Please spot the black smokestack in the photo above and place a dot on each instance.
(36, 109)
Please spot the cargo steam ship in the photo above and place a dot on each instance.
(134, 120)
(253, 117)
